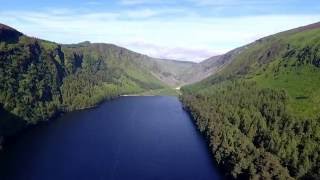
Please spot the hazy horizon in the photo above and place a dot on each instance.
(190, 30)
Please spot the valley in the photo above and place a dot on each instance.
(258, 105)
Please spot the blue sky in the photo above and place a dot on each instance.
(186, 29)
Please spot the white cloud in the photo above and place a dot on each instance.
(236, 2)
(205, 2)
(148, 13)
(142, 2)
(165, 52)
(145, 13)
(93, 3)
(188, 36)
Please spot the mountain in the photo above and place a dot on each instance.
(167, 71)
(208, 67)
(39, 78)
(258, 104)
(171, 72)
(260, 110)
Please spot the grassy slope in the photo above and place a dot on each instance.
(285, 62)
(120, 59)
(301, 83)
(169, 71)
(40, 78)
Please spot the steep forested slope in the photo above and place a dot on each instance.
(39, 78)
(261, 111)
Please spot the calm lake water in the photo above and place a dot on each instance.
(127, 138)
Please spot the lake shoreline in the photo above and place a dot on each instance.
(136, 95)
(61, 112)
(165, 117)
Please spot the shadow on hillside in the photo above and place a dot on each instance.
(10, 124)
(8, 34)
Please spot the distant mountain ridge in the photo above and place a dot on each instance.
(39, 78)
(171, 72)
(258, 104)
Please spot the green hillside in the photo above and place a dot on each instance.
(261, 111)
(172, 72)
(39, 79)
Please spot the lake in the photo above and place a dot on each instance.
(126, 138)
